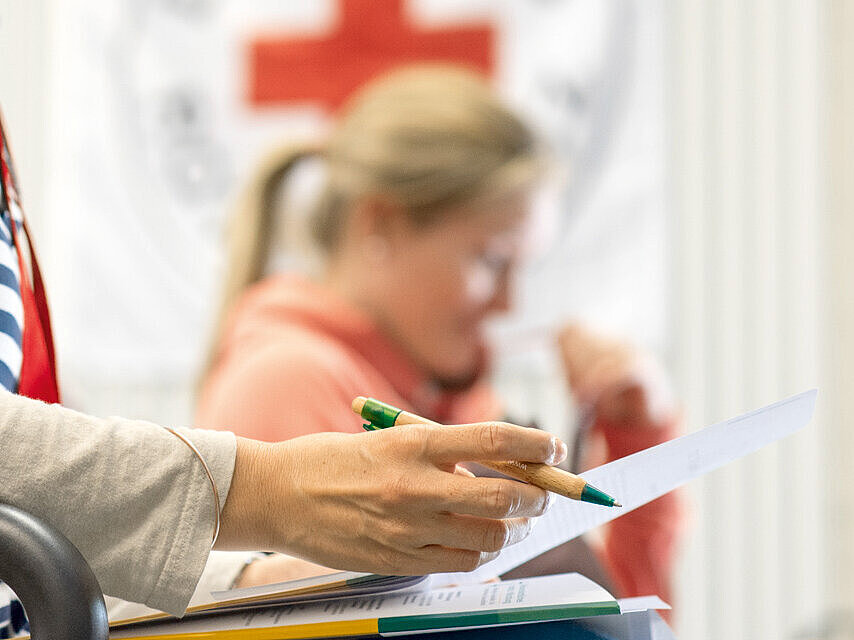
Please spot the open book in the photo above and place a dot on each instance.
(356, 604)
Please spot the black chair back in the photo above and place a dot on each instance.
(59, 592)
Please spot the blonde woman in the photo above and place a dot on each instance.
(420, 222)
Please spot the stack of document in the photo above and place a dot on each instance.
(350, 605)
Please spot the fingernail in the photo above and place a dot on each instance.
(529, 526)
(559, 451)
(548, 503)
(521, 532)
(563, 451)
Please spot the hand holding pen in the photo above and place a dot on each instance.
(388, 502)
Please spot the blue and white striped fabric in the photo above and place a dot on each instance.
(11, 308)
(13, 621)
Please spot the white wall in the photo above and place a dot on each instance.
(745, 104)
(838, 325)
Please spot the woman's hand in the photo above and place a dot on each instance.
(389, 501)
(614, 379)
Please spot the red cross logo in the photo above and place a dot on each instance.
(371, 36)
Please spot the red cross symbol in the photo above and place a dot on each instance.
(371, 36)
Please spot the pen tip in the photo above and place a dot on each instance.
(597, 496)
(358, 403)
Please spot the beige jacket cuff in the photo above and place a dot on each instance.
(187, 557)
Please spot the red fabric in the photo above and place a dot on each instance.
(294, 356)
(38, 366)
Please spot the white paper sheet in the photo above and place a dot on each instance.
(648, 474)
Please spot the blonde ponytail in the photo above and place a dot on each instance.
(250, 233)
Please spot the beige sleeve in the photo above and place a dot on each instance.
(131, 496)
